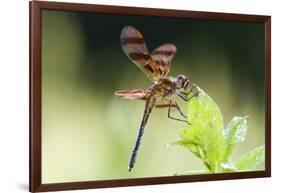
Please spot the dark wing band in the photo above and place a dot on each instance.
(163, 56)
(134, 46)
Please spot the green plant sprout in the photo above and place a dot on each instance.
(210, 141)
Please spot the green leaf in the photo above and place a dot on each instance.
(208, 140)
(204, 137)
(234, 133)
(251, 160)
(228, 167)
(193, 147)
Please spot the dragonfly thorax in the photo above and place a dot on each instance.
(165, 88)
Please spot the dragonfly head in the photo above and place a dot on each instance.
(182, 82)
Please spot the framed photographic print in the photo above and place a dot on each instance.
(124, 96)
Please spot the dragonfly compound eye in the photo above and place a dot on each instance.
(182, 81)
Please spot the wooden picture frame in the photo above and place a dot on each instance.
(36, 8)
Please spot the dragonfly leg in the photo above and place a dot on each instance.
(170, 117)
(184, 95)
(180, 111)
(187, 93)
(196, 94)
(182, 114)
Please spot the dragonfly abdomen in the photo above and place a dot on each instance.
(148, 108)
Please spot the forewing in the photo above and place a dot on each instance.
(133, 45)
(163, 56)
(132, 94)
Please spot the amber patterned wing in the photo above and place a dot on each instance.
(132, 94)
(142, 94)
(134, 46)
(163, 56)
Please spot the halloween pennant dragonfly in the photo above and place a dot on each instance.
(156, 66)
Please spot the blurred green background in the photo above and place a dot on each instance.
(88, 133)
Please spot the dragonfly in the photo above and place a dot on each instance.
(156, 66)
